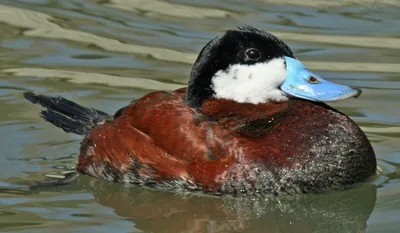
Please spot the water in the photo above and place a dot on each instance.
(105, 53)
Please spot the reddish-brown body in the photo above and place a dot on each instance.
(159, 139)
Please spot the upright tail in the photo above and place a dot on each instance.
(67, 115)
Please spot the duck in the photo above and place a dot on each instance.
(251, 121)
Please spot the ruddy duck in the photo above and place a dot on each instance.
(251, 121)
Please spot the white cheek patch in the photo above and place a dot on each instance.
(256, 83)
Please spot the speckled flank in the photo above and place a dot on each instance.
(338, 159)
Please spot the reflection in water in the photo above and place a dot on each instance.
(159, 211)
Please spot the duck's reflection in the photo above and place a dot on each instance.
(159, 211)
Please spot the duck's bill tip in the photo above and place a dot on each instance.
(359, 92)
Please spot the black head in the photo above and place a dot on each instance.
(246, 46)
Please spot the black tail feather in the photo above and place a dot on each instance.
(67, 115)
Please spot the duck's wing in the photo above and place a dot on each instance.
(161, 141)
(116, 151)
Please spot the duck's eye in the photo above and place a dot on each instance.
(313, 80)
(252, 54)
